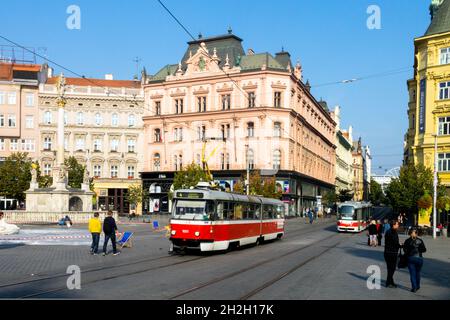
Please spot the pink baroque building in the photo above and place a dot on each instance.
(251, 109)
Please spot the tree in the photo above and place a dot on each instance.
(76, 172)
(15, 176)
(259, 186)
(44, 181)
(345, 195)
(404, 193)
(190, 177)
(376, 195)
(330, 198)
(136, 195)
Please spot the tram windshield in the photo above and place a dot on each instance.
(193, 209)
(347, 213)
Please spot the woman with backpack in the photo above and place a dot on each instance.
(414, 247)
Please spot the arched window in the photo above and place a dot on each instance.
(251, 159)
(277, 159)
(250, 129)
(158, 137)
(277, 130)
(157, 162)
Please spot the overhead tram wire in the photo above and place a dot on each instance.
(246, 95)
(372, 76)
(87, 79)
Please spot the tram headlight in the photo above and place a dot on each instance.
(173, 232)
(197, 234)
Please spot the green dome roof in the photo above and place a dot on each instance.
(441, 20)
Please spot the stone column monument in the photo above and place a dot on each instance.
(59, 198)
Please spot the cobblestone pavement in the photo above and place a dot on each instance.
(316, 261)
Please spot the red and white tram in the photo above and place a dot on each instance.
(353, 216)
(210, 220)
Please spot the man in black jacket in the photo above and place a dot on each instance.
(391, 248)
(110, 228)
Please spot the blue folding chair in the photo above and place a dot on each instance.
(125, 240)
(155, 225)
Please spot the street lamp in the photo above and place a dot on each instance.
(435, 180)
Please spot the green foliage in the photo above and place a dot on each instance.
(189, 177)
(136, 195)
(330, 198)
(15, 176)
(345, 195)
(259, 186)
(376, 195)
(414, 182)
(76, 172)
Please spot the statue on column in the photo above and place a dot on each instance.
(86, 179)
(33, 174)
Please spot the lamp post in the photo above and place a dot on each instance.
(435, 181)
(247, 181)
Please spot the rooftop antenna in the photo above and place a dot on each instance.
(137, 60)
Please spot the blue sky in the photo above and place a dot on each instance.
(329, 37)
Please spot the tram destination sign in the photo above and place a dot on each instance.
(190, 195)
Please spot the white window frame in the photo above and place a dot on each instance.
(444, 90)
(131, 120)
(29, 100)
(131, 145)
(115, 120)
(80, 119)
(12, 121)
(80, 144)
(131, 169)
(48, 143)
(114, 145)
(12, 98)
(48, 117)
(98, 142)
(97, 170)
(114, 171)
(2, 98)
(444, 56)
(444, 126)
(98, 119)
(29, 122)
(444, 162)
(2, 120)
(47, 169)
(2, 144)
(14, 145)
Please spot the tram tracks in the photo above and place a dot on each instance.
(11, 286)
(257, 265)
(45, 280)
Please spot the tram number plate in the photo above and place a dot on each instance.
(185, 231)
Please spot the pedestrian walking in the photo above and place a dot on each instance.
(386, 227)
(414, 247)
(110, 228)
(379, 232)
(391, 247)
(95, 228)
(373, 233)
(310, 216)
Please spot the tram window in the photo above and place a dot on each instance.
(220, 210)
(238, 211)
(249, 211)
(268, 212)
(257, 212)
(280, 212)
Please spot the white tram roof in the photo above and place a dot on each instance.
(356, 205)
(227, 196)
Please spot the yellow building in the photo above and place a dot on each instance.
(429, 95)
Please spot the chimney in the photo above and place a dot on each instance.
(109, 76)
(50, 72)
(250, 52)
